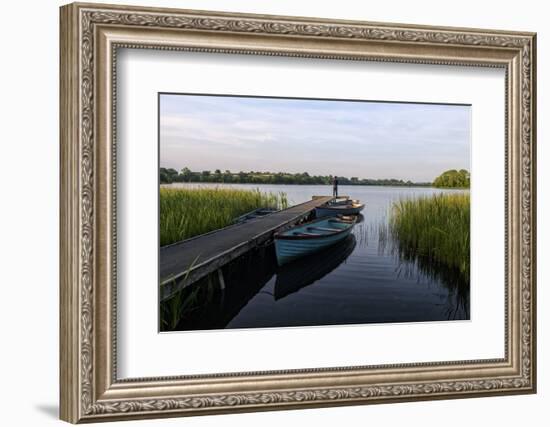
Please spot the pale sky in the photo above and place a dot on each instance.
(377, 140)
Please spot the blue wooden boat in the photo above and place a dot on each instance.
(339, 208)
(311, 237)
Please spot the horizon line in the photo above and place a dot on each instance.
(305, 172)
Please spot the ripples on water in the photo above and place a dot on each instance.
(363, 280)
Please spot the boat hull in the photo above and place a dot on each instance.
(324, 211)
(288, 250)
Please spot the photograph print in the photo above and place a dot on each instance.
(295, 212)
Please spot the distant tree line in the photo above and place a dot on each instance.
(169, 175)
(453, 179)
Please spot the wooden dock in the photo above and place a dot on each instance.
(185, 262)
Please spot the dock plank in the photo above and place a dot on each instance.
(194, 258)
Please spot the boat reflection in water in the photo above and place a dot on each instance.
(309, 269)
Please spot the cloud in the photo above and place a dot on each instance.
(364, 139)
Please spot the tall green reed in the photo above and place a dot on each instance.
(435, 228)
(188, 212)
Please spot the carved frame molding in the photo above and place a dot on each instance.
(90, 36)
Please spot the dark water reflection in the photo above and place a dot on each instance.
(295, 276)
(362, 280)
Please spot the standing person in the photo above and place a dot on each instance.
(335, 186)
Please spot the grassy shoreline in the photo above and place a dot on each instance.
(436, 228)
(189, 212)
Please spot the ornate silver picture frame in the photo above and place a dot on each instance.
(91, 34)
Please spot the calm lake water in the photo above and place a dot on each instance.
(362, 280)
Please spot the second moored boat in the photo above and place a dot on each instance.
(346, 207)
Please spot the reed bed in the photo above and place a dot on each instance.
(436, 228)
(189, 212)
